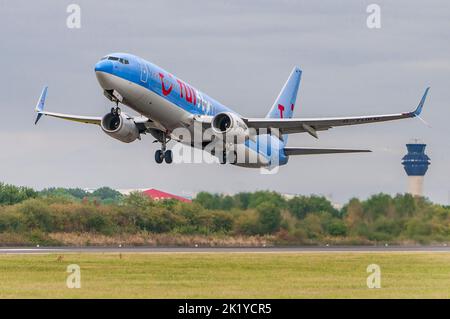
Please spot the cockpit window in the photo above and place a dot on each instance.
(113, 58)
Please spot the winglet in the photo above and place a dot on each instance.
(422, 101)
(40, 104)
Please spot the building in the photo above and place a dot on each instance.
(128, 191)
(415, 163)
(160, 195)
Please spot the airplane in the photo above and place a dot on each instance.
(166, 103)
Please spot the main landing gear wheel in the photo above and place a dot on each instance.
(159, 156)
(168, 157)
(163, 155)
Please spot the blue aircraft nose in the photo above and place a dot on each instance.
(104, 66)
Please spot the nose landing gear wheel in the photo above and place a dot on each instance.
(159, 156)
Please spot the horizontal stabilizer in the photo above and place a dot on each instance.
(311, 151)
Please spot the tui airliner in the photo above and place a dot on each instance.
(168, 105)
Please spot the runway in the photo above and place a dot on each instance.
(318, 249)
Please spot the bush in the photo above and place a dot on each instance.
(269, 218)
(300, 206)
(247, 223)
(69, 193)
(10, 194)
(37, 215)
(26, 216)
(107, 194)
(336, 228)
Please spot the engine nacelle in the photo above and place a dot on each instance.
(229, 124)
(120, 127)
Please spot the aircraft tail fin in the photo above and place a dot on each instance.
(283, 107)
(41, 104)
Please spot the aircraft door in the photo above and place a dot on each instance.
(144, 72)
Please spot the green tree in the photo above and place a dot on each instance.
(10, 194)
(208, 200)
(269, 217)
(377, 205)
(107, 193)
(242, 200)
(138, 200)
(336, 227)
(312, 226)
(405, 205)
(261, 197)
(70, 193)
(247, 223)
(300, 206)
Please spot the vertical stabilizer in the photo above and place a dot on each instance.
(285, 102)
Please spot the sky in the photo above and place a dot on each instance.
(240, 53)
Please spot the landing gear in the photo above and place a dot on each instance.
(223, 158)
(163, 154)
(116, 110)
(168, 157)
(231, 157)
(159, 156)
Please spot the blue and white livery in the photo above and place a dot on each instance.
(167, 105)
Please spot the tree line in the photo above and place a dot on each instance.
(299, 220)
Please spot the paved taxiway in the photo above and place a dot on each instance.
(56, 250)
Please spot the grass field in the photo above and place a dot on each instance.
(226, 275)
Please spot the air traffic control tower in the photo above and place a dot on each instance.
(416, 164)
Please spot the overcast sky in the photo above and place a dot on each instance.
(240, 53)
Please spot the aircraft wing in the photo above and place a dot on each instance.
(77, 118)
(142, 122)
(312, 125)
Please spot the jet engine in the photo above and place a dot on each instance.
(120, 127)
(229, 124)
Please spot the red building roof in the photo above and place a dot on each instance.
(158, 195)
